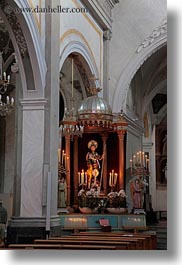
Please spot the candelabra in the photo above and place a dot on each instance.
(112, 180)
(6, 104)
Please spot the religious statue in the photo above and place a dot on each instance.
(62, 193)
(137, 190)
(93, 164)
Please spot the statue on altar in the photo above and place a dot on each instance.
(62, 193)
(137, 187)
(93, 164)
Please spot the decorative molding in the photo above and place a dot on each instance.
(16, 27)
(107, 35)
(157, 32)
(101, 11)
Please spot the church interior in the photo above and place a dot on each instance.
(83, 124)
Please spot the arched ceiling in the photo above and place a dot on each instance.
(149, 87)
(6, 45)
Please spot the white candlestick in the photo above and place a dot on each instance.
(112, 179)
(143, 158)
(131, 165)
(109, 179)
(115, 178)
(59, 155)
(62, 157)
(12, 101)
(82, 177)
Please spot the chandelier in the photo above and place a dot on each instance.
(6, 103)
(69, 125)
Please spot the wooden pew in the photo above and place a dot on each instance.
(61, 246)
(150, 238)
(135, 244)
(119, 245)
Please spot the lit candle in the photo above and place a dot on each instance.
(137, 157)
(82, 177)
(12, 101)
(131, 162)
(140, 154)
(143, 158)
(112, 179)
(79, 180)
(109, 179)
(59, 155)
(115, 178)
(7, 99)
(134, 160)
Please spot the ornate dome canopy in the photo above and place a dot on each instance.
(95, 110)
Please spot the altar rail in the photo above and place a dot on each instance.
(90, 222)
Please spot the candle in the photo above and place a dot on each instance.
(140, 155)
(109, 179)
(4, 75)
(7, 100)
(131, 162)
(59, 155)
(134, 160)
(146, 161)
(8, 78)
(12, 101)
(115, 179)
(82, 177)
(79, 180)
(112, 179)
(143, 158)
(137, 157)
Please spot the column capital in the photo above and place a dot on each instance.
(121, 135)
(33, 104)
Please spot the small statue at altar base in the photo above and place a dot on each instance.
(62, 193)
(93, 164)
(137, 190)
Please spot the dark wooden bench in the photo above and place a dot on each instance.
(61, 246)
(118, 244)
(150, 238)
(134, 244)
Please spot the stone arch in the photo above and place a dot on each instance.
(120, 95)
(27, 45)
(74, 42)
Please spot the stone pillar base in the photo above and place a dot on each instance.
(25, 230)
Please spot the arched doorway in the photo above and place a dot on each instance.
(147, 104)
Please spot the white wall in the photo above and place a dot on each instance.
(133, 21)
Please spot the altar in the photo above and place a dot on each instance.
(90, 222)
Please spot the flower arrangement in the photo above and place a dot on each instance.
(88, 198)
(117, 199)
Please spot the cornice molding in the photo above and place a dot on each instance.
(156, 33)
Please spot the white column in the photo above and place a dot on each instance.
(32, 158)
